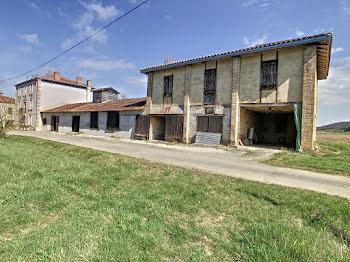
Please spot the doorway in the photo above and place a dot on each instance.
(76, 123)
(54, 123)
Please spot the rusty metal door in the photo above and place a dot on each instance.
(174, 127)
(142, 127)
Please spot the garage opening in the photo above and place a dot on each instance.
(267, 125)
(167, 127)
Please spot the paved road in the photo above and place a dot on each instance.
(207, 159)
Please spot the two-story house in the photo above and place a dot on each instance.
(263, 94)
(44, 92)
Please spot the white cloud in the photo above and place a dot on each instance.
(86, 23)
(256, 3)
(103, 12)
(103, 64)
(30, 38)
(336, 89)
(253, 41)
(33, 5)
(138, 81)
(299, 33)
(336, 50)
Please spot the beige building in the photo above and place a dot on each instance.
(41, 93)
(252, 95)
(7, 107)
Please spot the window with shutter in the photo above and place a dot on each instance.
(168, 86)
(268, 79)
(210, 86)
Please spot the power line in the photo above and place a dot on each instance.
(79, 43)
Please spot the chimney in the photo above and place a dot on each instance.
(56, 75)
(79, 80)
(88, 91)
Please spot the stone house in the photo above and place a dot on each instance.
(109, 116)
(7, 108)
(254, 94)
(44, 92)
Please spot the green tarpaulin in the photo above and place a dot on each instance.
(297, 119)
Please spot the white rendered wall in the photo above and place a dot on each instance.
(54, 94)
(126, 123)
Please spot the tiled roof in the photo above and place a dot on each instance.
(105, 89)
(268, 46)
(114, 105)
(6, 100)
(51, 79)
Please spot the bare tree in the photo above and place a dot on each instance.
(122, 96)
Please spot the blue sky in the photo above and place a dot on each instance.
(34, 31)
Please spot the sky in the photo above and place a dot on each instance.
(34, 31)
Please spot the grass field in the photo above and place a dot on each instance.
(64, 203)
(334, 157)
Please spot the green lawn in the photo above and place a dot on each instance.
(334, 158)
(64, 203)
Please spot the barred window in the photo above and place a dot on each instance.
(168, 86)
(210, 86)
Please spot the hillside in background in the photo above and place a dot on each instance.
(335, 126)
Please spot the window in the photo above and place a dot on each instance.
(113, 120)
(168, 86)
(268, 79)
(9, 111)
(209, 86)
(94, 120)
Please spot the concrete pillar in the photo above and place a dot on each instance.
(149, 93)
(235, 108)
(38, 122)
(188, 72)
(309, 108)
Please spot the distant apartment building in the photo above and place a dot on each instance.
(44, 92)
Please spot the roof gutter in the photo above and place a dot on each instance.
(254, 50)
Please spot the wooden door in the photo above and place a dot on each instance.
(174, 127)
(53, 123)
(212, 124)
(75, 123)
(142, 127)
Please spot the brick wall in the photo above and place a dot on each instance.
(234, 122)
(309, 109)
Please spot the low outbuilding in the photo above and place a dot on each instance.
(107, 118)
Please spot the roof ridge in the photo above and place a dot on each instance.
(291, 40)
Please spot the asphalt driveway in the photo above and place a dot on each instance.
(218, 161)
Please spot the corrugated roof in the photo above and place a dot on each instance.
(6, 100)
(257, 48)
(114, 105)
